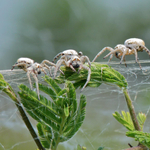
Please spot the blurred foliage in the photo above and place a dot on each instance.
(81, 148)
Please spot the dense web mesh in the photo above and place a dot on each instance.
(99, 128)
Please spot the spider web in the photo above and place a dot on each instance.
(99, 128)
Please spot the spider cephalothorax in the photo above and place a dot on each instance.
(131, 46)
(68, 54)
(33, 68)
(70, 58)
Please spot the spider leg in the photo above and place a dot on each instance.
(69, 64)
(136, 56)
(111, 56)
(49, 68)
(43, 64)
(37, 86)
(20, 64)
(139, 63)
(146, 49)
(48, 62)
(28, 75)
(72, 68)
(58, 64)
(88, 77)
(125, 62)
(123, 55)
(58, 55)
(12, 67)
(41, 68)
(102, 51)
(112, 52)
(84, 58)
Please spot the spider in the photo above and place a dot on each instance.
(131, 46)
(33, 68)
(70, 58)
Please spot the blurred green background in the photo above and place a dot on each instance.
(39, 29)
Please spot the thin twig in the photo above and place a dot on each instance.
(131, 110)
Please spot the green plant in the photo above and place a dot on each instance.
(101, 73)
(58, 119)
(6, 88)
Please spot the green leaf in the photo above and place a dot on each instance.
(58, 119)
(53, 84)
(71, 91)
(100, 73)
(143, 138)
(71, 96)
(61, 97)
(78, 120)
(126, 121)
(43, 137)
(141, 119)
(43, 108)
(66, 111)
(48, 91)
(5, 87)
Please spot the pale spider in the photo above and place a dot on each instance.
(131, 46)
(33, 68)
(70, 58)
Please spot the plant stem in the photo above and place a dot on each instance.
(29, 126)
(25, 118)
(140, 147)
(60, 132)
(134, 118)
(131, 110)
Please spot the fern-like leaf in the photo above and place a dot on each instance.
(143, 138)
(100, 73)
(48, 91)
(44, 135)
(58, 119)
(78, 120)
(126, 121)
(53, 84)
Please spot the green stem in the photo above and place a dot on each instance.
(131, 110)
(60, 131)
(29, 126)
(25, 118)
